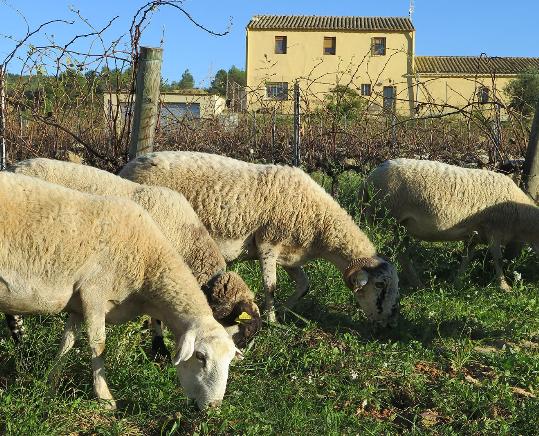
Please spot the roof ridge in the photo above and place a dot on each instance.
(474, 64)
(325, 16)
(476, 57)
(334, 22)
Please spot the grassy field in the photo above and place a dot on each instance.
(461, 361)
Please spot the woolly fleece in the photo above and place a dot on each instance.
(174, 215)
(272, 213)
(441, 202)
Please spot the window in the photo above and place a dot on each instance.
(277, 91)
(171, 112)
(483, 94)
(280, 45)
(390, 94)
(366, 89)
(330, 45)
(378, 46)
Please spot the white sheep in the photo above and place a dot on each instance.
(277, 215)
(441, 202)
(227, 293)
(104, 259)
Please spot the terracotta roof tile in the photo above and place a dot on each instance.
(471, 65)
(313, 22)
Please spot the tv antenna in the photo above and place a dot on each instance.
(411, 9)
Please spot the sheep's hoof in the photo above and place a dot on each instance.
(54, 378)
(504, 286)
(414, 282)
(271, 316)
(53, 384)
(108, 403)
(458, 283)
(159, 349)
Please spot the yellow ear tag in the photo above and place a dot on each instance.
(244, 316)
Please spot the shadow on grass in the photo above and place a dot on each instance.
(422, 329)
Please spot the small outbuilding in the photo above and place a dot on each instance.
(173, 105)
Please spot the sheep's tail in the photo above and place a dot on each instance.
(16, 327)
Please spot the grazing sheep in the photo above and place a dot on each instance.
(277, 215)
(227, 293)
(441, 202)
(104, 259)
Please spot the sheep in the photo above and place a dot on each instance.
(227, 293)
(440, 202)
(104, 259)
(278, 215)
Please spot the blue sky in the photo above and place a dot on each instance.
(443, 27)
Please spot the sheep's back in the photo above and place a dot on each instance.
(168, 208)
(75, 176)
(234, 198)
(445, 194)
(58, 234)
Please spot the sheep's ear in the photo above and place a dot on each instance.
(185, 347)
(359, 279)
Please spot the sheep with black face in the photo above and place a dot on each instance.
(278, 215)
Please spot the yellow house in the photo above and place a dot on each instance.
(374, 56)
(449, 83)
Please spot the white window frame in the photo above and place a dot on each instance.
(278, 96)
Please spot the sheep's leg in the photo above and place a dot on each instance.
(496, 251)
(68, 340)
(302, 285)
(94, 315)
(513, 250)
(268, 263)
(159, 349)
(467, 256)
(408, 269)
(16, 327)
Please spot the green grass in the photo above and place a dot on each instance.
(461, 361)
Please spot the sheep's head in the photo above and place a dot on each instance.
(203, 356)
(375, 284)
(232, 303)
(246, 320)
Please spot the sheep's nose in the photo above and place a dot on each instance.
(393, 322)
(215, 403)
(210, 404)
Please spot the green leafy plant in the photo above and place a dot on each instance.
(524, 91)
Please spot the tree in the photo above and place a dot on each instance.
(345, 102)
(524, 91)
(218, 84)
(234, 75)
(187, 81)
(116, 78)
(237, 76)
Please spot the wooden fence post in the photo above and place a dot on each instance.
(531, 164)
(2, 120)
(146, 101)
